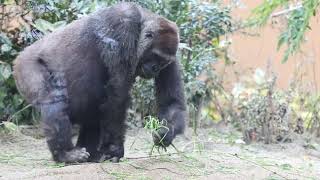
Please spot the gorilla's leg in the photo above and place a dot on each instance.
(57, 126)
(89, 138)
(113, 131)
(112, 119)
(46, 90)
(113, 134)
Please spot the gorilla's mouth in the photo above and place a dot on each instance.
(147, 74)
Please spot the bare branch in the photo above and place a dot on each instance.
(284, 12)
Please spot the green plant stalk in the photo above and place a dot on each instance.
(16, 113)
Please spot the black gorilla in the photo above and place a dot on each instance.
(83, 74)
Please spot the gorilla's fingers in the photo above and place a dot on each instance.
(163, 137)
(76, 155)
(115, 159)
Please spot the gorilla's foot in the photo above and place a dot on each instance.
(112, 152)
(96, 157)
(76, 155)
(105, 157)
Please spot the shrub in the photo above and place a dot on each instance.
(201, 26)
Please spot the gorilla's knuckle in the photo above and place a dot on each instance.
(163, 136)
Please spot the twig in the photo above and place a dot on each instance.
(151, 151)
(16, 113)
(154, 156)
(143, 168)
(292, 8)
(152, 169)
(175, 148)
(135, 139)
(274, 172)
(256, 164)
(104, 170)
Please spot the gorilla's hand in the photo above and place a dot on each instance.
(173, 124)
(163, 136)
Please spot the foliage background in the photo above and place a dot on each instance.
(202, 24)
(256, 107)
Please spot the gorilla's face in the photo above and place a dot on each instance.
(152, 63)
(158, 45)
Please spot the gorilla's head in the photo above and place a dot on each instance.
(158, 45)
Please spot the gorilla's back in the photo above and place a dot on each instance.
(70, 52)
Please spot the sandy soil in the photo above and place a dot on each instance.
(210, 155)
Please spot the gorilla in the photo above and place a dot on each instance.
(82, 74)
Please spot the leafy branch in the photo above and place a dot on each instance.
(298, 21)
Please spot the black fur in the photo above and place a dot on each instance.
(83, 74)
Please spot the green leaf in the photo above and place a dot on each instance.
(283, 38)
(4, 39)
(286, 166)
(5, 71)
(44, 26)
(58, 24)
(9, 126)
(5, 48)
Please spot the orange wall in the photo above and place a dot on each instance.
(255, 51)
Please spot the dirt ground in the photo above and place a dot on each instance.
(209, 155)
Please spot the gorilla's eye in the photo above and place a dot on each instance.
(149, 34)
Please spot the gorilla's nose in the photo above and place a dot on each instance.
(155, 68)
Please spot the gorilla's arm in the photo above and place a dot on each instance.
(171, 103)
